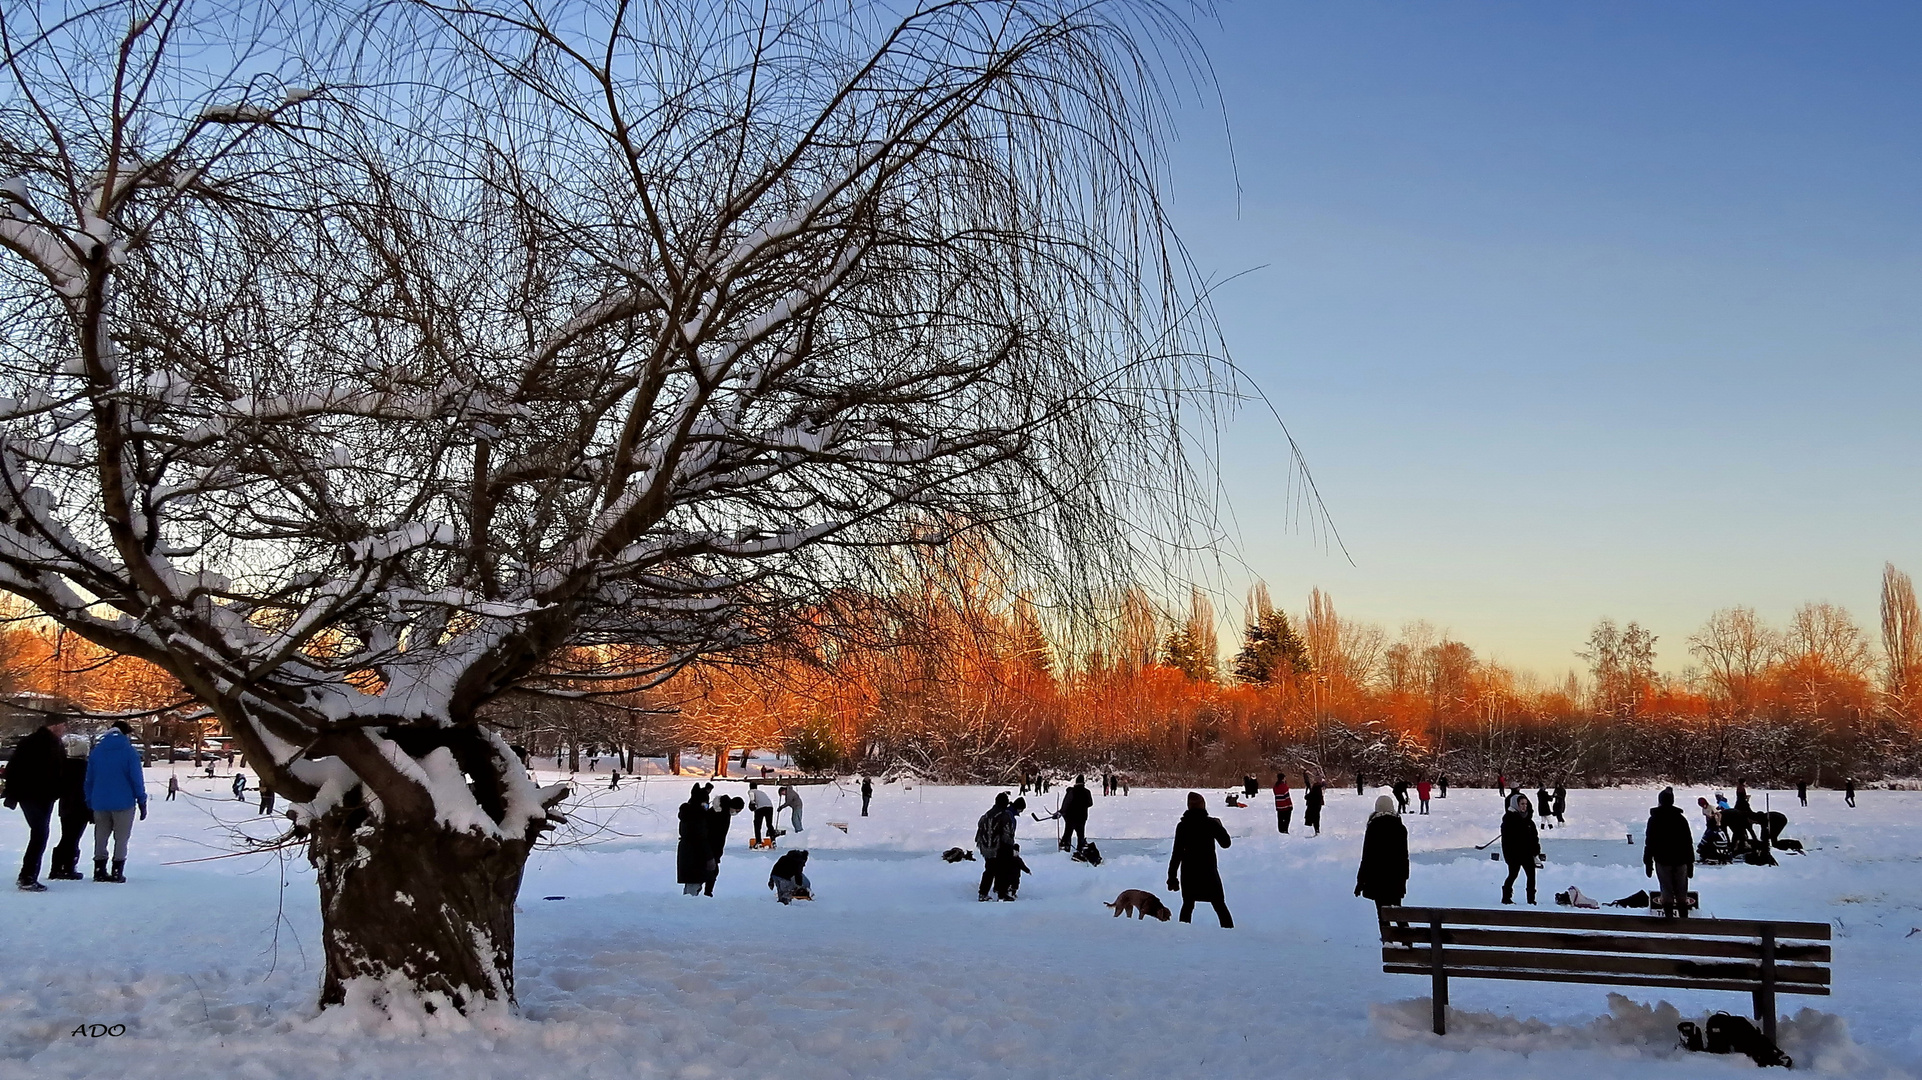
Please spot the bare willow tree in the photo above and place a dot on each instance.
(1901, 640)
(361, 364)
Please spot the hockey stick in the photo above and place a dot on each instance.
(1484, 847)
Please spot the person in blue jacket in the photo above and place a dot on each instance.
(115, 786)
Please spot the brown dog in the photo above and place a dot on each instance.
(1140, 903)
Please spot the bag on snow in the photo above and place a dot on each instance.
(1636, 899)
(955, 854)
(1088, 854)
(1729, 1034)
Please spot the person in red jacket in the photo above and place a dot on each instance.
(1421, 792)
(1284, 802)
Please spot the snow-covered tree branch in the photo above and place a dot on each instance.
(355, 382)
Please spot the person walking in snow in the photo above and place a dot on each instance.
(1284, 803)
(1421, 793)
(1444, 785)
(1075, 804)
(1311, 813)
(1520, 844)
(115, 786)
(1668, 853)
(1561, 805)
(867, 793)
(614, 780)
(33, 785)
(690, 856)
(1802, 791)
(266, 798)
(1358, 785)
(74, 819)
(994, 839)
(1848, 791)
(239, 787)
(173, 787)
(763, 811)
(1191, 868)
(791, 801)
(789, 878)
(718, 820)
(1383, 874)
(1544, 804)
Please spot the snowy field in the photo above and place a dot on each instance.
(897, 972)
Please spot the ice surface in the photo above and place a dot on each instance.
(897, 972)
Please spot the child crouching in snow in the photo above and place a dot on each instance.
(789, 879)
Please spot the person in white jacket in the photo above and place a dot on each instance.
(763, 808)
(791, 800)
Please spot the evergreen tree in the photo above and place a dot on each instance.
(1270, 645)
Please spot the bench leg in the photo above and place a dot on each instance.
(1765, 994)
(1440, 977)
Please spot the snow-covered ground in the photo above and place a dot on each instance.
(896, 971)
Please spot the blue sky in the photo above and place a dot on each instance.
(1577, 310)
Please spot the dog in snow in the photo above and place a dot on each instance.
(1140, 903)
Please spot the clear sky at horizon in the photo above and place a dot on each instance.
(1576, 310)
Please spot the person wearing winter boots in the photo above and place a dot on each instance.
(1520, 844)
(1421, 794)
(33, 785)
(690, 857)
(115, 786)
(1383, 875)
(1075, 804)
(867, 793)
(718, 820)
(763, 810)
(994, 839)
(1191, 868)
(74, 819)
(789, 878)
(1311, 813)
(1284, 803)
(791, 800)
(1668, 852)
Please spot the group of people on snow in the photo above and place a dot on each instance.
(105, 789)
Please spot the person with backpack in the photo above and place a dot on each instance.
(1668, 852)
(1520, 845)
(1383, 874)
(115, 786)
(33, 785)
(994, 839)
(1191, 868)
(1075, 804)
(1311, 812)
(1284, 803)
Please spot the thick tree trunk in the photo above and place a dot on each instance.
(674, 762)
(416, 909)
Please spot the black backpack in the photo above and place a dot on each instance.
(1729, 1034)
(1088, 854)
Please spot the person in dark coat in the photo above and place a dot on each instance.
(1444, 785)
(867, 793)
(1520, 844)
(1383, 875)
(74, 819)
(789, 878)
(1561, 804)
(1075, 804)
(1191, 868)
(1848, 791)
(1544, 803)
(33, 784)
(1007, 882)
(994, 839)
(1311, 806)
(1668, 852)
(719, 817)
(1802, 791)
(690, 857)
(1400, 788)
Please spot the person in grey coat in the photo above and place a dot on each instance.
(791, 800)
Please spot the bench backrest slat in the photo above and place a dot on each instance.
(1644, 924)
(1734, 948)
(1461, 960)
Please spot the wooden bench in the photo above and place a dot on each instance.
(1764, 958)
